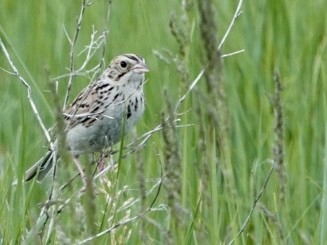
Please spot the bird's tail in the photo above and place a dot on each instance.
(41, 168)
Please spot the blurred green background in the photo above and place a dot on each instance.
(290, 36)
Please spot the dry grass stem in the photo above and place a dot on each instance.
(237, 13)
(72, 51)
(232, 53)
(29, 93)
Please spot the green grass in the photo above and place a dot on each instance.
(216, 193)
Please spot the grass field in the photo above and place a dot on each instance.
(206, 177)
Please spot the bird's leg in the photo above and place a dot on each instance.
(80, 170)
(101, 161)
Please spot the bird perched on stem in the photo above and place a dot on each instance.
(101, 112)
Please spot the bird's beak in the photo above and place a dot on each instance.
(140, 68)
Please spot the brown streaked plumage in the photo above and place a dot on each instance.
(94, 120)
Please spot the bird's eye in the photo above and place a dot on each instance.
(123, 64)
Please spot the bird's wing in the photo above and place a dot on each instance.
(85, 108)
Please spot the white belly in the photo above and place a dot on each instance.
(108, 129)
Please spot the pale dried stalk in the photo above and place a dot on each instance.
(115, 226)
(29, 93)
(191, 87)
(72, 52)
(232, 53)
(91, 49)
(237, 13)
